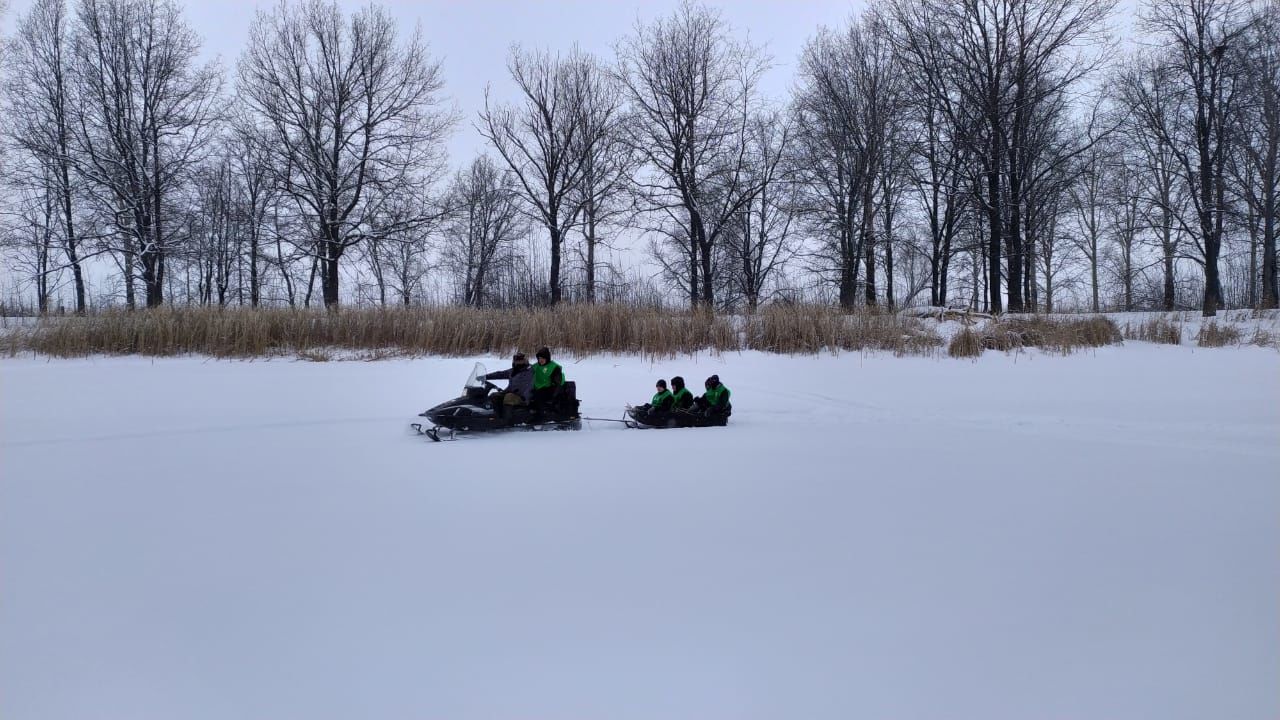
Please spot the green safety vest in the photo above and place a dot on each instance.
(660, 398)
(679, 398)
(542, 374)
(718, 395)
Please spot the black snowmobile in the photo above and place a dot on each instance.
(473, 412)
(646, 417)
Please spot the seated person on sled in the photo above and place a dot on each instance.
(714, 404)
(658, 410)
(681, 398)
(519, 392)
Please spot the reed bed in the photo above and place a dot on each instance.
(818, 328)
(1053, 334)
(580, 330)
(241, 333)
(453, 331)
(1213, 334)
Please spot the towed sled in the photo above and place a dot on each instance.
(473, 412)
(645, 417)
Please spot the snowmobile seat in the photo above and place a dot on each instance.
(567, 399)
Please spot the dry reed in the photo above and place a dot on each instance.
(818, 328)
(374, 333)
(965, 344)
(1213, 334)
(1058, 335)
(1156, 330)
(379, 332)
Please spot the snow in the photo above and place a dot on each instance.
(1024, 536)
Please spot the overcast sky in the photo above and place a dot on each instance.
(472, 38)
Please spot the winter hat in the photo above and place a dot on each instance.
(544, 353)
(713, 381)
(662, 383)
(519, 359)
(677, 382)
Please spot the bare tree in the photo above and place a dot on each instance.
(761, 241)
(1149, 105)
(29, 230)
(255, 195)
(997, 62)
(544, 139)
(1123, 216)
(1199, 69)
(144, 115)
(40, 110)
(608, 166)
(352, 120)
(690, 86)
(1089, 198)
(940, 159)
(483, 224)
(851, 93)
(398, 260)
(1255, 169)
(216, 237)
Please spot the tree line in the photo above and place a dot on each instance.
(1003, 155)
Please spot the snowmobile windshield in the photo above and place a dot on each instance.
(476, 378)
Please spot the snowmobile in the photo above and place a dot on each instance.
(473, 412)
(645, 417)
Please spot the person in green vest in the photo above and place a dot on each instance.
(662, 398)
(548, 379)
(657, 411)
(714, 403)
(681, 398)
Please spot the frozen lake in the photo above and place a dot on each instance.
(1096, 536)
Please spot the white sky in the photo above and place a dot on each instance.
(472, 38)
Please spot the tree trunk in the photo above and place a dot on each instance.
(1015, 236)
(591, 251)
(70, 241)
(1270, 296)
(556, 237)
(255, 293)
(869, 241)
(1093, 277)
(329, 282)
(888, 246)
(708, 287)
(994, 221)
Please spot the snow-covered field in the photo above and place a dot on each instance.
(1095, 536)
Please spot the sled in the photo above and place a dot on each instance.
(645, 418)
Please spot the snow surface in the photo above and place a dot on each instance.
(1030, 536)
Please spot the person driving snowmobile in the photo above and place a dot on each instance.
(715, 401)
(681, 398)
(519, 389)
(548, 378)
